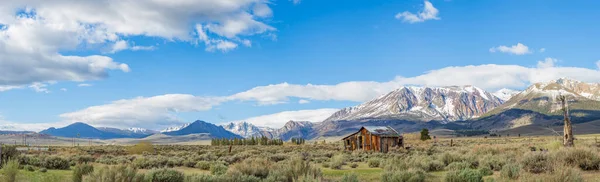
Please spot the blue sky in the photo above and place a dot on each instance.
(349, 51)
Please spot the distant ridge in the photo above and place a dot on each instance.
(83, 130)
(199, 126)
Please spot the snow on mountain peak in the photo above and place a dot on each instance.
(177, 128)
(505, 94)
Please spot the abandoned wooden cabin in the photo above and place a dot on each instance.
(374, 138)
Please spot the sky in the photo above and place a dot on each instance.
(161, 63)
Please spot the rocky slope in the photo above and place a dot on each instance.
(410, 109)
(444, 104)
(292, 129)
(199, 126)
(538, 105)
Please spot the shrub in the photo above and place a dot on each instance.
(258, 167)
(568, 174)
(494, 162)
(338, 161)
(450, 157)
(511, 171)
(55, 162)
(485, 171)
(535, 162)
(349, 177)
(118, 173)
(29, 168)
(203, 165)
(585, 159)
(374, 162)
(142, 147)
(43, 170)
(10, 170)
(9, 152)
(411, 175)
(354, 165)
(325, 165)
(465, 175)
(164, 175)
(218, 169)
(457, 166)
(80, 170)
(296, 169)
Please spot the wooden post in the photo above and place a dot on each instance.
(451, 144)
(568, 129)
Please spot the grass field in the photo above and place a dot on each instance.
(468, 159)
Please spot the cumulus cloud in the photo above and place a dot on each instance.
(124, 45)
(277, 120)
(547, 63)
(35, 34)
(518, 49)
(598, 64)
(39, 87)
(162, 110)
(84, 85)
(302, 101)
(543, 50)
(428, 13)
(149, 112)
(296, 1)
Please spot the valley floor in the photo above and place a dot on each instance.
(468, 159)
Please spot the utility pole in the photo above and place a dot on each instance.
(568, 129)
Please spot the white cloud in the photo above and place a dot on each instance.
(124, 45)
(518, 49)
(303, 101)
(598, 64)
(153, 112)
(33, 41)
(84, 85)
(277, 120)
(543, 50)
(63, 89)
(148, 112)
(39, 87)
(547, 63)
(296, 1)
(428, 13)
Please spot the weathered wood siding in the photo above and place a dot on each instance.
(364, 140)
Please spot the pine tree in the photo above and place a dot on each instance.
(425, 134)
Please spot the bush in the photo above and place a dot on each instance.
(142, 147)
(374, 162)
(29, 168)
(119, 173)
(338, 161)
(258, 167)
(10, 170)
(411, 175)
(568, 174)
(218, 169)
(55, 162)
(485, 171)
(511, 171)
(535, 162)
(43, 170)
(494, 162)
(164, 175)
(9, 152)
(465, 175)
(296, 169)
(450, 157)
(203, 165)
(349, 177)
(354, 165)
(457, 166)
(80, 170)
(325, 165)
(585, 159)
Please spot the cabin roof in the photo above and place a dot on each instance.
(382, 131)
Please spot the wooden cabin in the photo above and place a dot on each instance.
(374, 138)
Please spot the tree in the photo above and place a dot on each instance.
(425, 134)
(568, 129)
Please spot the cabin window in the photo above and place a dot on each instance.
(360, 142)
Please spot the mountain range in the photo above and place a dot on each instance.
(406, 109)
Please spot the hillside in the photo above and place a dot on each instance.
(410, 109)
(82, 130)
(538, 105)
(199, 126)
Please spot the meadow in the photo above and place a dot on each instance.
(469, 159)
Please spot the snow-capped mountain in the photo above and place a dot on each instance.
(177, 128)
(539, 105)
(246, 129)
(505, 94)
(445, 104)
(141, 130)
